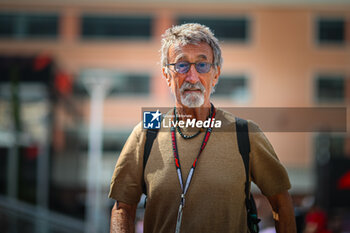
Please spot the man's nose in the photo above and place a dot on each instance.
(192, 75)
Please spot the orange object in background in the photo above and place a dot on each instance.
(63, 83)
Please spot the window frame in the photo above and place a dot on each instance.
(21, 25)
(248, 96)
(247, 17)
(102, 15)
(316, 98)
(316, 25)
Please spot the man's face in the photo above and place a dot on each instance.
(191, 89)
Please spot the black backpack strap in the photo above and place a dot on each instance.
(151, 134)
(244, 149)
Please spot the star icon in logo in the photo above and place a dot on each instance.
(156, 115)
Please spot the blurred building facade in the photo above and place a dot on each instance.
(275, 55)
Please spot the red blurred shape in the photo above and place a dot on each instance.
(344, 181)
(63, 83)
(41, 61)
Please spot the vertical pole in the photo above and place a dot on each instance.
(42, 190)
(42, 193)
(94, 212)
(12, 167)
(13, 159)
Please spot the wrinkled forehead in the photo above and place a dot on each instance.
(201, 50)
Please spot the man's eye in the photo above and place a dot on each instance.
(182, 65)
(201, 64)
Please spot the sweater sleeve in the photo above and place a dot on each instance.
(267, 172)
(126, 183)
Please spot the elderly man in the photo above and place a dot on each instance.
(195, 178)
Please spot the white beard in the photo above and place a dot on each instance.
(192, 100)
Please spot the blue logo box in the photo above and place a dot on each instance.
(151, 120)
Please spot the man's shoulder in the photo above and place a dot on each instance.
(225, 116)
(138, 130)
(229, 119)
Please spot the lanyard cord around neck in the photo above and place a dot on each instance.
(176, 154)
(190, 174)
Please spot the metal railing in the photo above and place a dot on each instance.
(20, 217)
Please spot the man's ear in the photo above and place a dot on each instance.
(167, 76)
(216, 77)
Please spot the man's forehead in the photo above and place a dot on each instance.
(201, 51)
(181, 56)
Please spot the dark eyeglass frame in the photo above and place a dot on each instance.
(196, 65)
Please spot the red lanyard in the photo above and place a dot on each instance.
(190, 174)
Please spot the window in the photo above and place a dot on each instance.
(111, 27)
(7, 25)
(28, 25)
(330, 89)
(113, 141)
(236, 29)
(122, 84)
(331, 30)
(233, 87)
(136, 84)
(40, 25)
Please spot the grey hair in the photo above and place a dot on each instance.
(189, 33)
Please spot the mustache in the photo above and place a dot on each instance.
(187, 85)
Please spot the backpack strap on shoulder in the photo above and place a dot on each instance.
(151, 134)
(244, 149)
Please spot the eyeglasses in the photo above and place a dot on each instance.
(183, 67)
